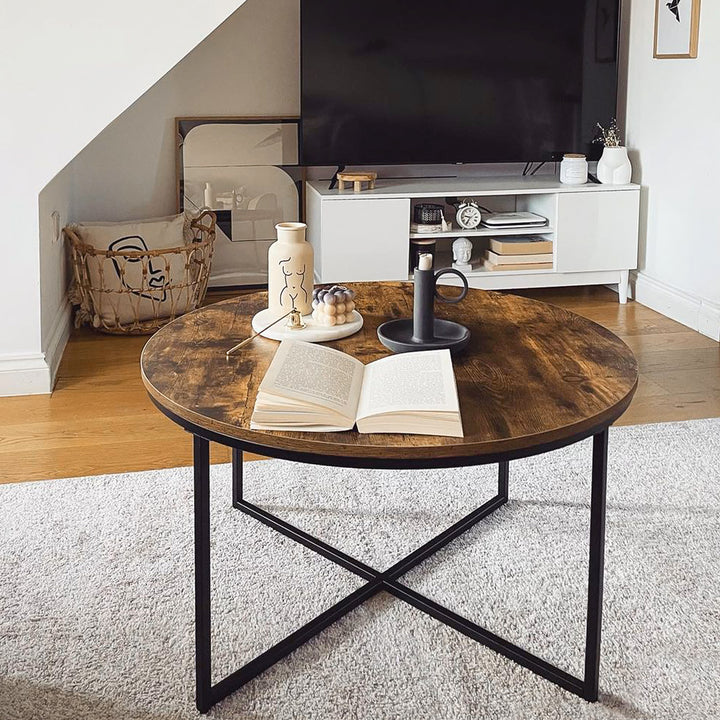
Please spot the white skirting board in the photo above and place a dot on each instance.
(34, 374)
(690, 310)
(24, 375)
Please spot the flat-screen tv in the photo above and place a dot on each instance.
(478, 81)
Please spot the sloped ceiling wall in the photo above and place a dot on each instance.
(69, 69)
(248, 66)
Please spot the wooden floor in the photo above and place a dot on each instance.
(99, 419)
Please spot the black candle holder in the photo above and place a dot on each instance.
(424, 331)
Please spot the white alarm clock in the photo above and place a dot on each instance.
(468, 215)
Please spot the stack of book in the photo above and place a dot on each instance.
(519, 253)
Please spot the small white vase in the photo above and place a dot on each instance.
(209, 196)
(290, 270)
(614, 167)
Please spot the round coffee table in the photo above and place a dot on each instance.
(534, 378)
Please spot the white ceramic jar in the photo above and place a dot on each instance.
(573, 169)
(290, 270)
(614, 166)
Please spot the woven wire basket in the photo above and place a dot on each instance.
(135, 292)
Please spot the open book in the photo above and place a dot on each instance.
(313, 387)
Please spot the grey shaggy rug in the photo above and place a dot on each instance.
(96, 604)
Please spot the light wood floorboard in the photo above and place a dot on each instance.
(99, 419)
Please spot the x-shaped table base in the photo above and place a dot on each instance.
(208, 694)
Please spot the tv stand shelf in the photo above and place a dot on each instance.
(359, 236)
(483, 232)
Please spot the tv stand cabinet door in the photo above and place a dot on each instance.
(365, 239)
(597, 231)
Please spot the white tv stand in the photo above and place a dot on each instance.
(366, 235)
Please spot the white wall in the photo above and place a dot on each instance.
(69, 68)
(673, 111)
(247, 66)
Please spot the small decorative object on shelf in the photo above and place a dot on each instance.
(424, 331)
(468, 214)
(357, 179)
(333, 306)
(614, 166)
(209, 196)
(428, 214)
(573, 169)
(462, 253)
(417, 248)
(428, 218)
(290, 270)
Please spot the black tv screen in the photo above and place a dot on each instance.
(479, 81)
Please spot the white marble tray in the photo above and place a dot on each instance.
(313, 332)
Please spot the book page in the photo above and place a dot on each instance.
(413, 381)
(316, 374)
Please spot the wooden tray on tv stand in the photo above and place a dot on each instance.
(357, 179)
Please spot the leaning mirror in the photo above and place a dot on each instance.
(245, 170)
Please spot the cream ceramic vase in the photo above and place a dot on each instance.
(614, 166)
(290, 270)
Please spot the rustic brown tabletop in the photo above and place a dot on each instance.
(533, 374)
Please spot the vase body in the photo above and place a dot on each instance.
(290, 270)
(614, 166)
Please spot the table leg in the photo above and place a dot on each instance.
(237, 476)
(203, 684)
(503, 478)
(596, 565)
(376, 580)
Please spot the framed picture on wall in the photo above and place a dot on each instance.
(677, 25)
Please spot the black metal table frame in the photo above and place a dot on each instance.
(208, 694)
